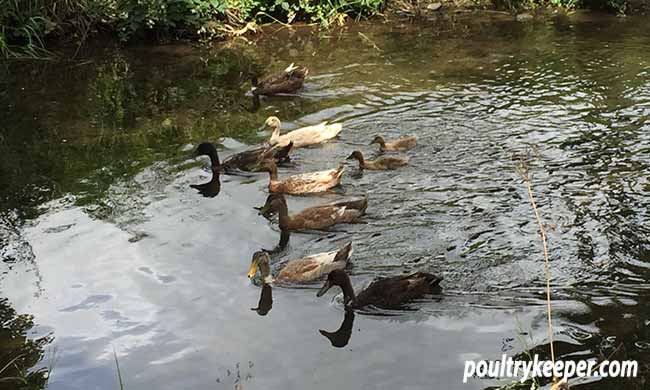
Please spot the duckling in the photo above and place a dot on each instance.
(381, 163)
(243, 161)
(288, 81)
(385, 293)
(301, 270)
(305, 136)
(314, 218)
(305, 183)
(401, 144)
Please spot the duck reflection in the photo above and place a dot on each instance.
(265, 304)
(211, 188)
(341, 337)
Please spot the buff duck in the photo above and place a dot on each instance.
(380, 163)
(305, 183)
(247, 160)
(401, 144)
(288, 81)
(302, 270)
(314, 218)
(305, 136)
(385, 293)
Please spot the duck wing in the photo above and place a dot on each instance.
(393, 292)
(314, 266)
(323, 217)
(244, 161)
(289, 80)
(313, 181)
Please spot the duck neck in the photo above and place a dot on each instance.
(265, 271)
(273, 171)
(214, 161)
(382, 143)
(254, 81)
(283, 216)
(276, 132)
(349, 298)
(362, 161)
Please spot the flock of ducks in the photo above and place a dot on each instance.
(388, 293)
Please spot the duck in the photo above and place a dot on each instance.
(289, 81)
(305, 136)
(401, 144)
(379, 164)
(314, 218)
(243, 161)
(384, 293)
(305, 183)
(301, 270)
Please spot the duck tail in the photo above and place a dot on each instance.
(344, 253)
(432, 280)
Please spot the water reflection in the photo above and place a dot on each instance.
(209, 189)
(20, 351)
(341, 336)
(105, 138)
(266, 300)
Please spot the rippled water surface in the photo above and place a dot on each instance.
(115, 256)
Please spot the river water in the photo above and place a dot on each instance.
(116, 258)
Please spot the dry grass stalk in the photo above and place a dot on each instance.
(523, 168)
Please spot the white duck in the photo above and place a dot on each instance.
(305, 136)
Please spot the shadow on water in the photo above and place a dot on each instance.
(105, 243)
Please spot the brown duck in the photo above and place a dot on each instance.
(385, 293)
(288, 81)
(379, 164)
(305, 183)
(301, 270)
(314, 218)
(399, 145)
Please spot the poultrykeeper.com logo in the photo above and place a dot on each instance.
(536, 368)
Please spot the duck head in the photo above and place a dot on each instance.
(261, 261)
(338, 277)
(273, 122)
(356, 155)
(378, 140)
(274, 203)
(208, 149)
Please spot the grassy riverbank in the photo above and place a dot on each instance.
(29, 27)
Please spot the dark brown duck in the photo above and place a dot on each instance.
(385, 293)
(288, 81)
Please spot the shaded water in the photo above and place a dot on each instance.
(105, 244)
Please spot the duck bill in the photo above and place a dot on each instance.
(252, 270)
(324, 289)
(265, 211)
